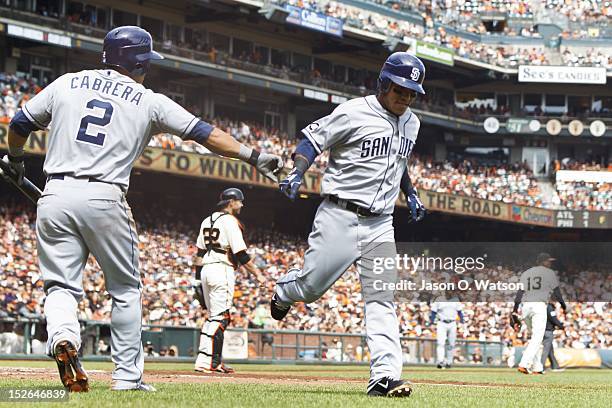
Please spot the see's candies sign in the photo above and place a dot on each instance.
(566, 75)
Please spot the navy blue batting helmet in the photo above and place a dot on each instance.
(230, 194)
(402, 69)
(129, 47)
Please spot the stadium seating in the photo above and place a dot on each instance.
(166, 263)
(510, 184)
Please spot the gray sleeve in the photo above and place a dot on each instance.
(170, 117)
(39, 109)
(328, 131)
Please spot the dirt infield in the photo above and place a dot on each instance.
(183, 377)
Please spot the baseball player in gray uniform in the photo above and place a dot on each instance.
(100, 122)
(446, 310)
(369, 140)
(541, 284)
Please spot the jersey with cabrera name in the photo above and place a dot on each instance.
(538, 284)
(368, 152)
(221, 237)
(100, 121)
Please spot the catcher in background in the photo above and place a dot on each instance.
(221, 250)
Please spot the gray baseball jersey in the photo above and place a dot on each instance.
(539, 282)
(98, 118)
(369, 149)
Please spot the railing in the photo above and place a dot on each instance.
(26, 338)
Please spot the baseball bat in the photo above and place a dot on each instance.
(27, 187)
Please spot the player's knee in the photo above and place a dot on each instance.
(310, 294)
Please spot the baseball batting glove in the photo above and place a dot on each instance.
(417, 209)
(16, 167)
(291, 184)
(515, 321)
(269, 165)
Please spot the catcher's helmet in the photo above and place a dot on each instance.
(129, 47)
(230, 194)
(403, 69)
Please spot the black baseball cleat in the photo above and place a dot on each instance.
(441, 366)
(277, 311)
(387, 387)
(71, 372)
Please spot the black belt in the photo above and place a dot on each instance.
(61, 176)
(448, 321)
(357, 209)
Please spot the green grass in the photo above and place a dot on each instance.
(572, 388)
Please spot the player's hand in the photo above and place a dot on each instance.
(416, 207)
(515, 321)
(269, 165)
(17, 168)
(290, 185)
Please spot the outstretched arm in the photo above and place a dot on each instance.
(221, 143)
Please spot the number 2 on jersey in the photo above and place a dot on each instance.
(98, 139)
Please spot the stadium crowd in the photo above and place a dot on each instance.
(166, 261)
(512, 183)
(507, 183)
(460, 14)
(466, 15)
(506, 56)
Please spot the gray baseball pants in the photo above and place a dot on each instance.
(446, 337)
(340, 238)
(77, 217)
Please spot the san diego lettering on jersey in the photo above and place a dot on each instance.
(84, 80)
(380, 147)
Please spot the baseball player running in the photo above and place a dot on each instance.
(539, 283)
(100, 122)
(221, 249)
(447, 311)
(369, 140)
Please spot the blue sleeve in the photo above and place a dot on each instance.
(460, 313)
(432, 317)
(200, 132)
(306, 148)
(21, 125)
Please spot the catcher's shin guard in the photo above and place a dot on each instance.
(211, 342)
